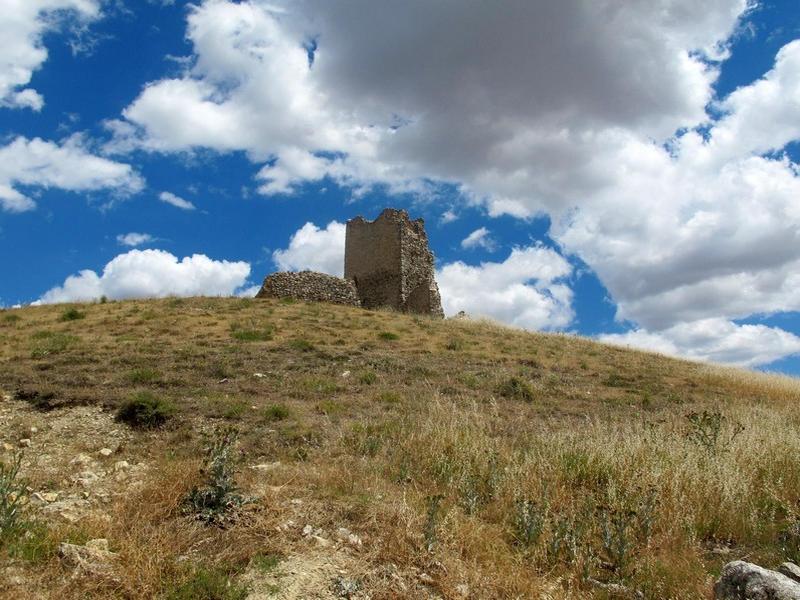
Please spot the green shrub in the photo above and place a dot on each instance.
(30, 541)
(516, 388)
(146, 411)
(388, 336)
(207, 584)
(301, 345)
(50, 342)
(390, 397)
(143, 376)
(217, 502)
(276, 412)
(253, 332)
(11, 319)
(264, 563)
(367, 377)
(71, 314)
(12, 494)
(454, 344)
(706, 430)
(233, 409)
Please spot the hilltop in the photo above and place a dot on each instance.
(377, 454)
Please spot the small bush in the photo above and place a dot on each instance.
(454, 344)
(367, 377)
(388, 336)
(528, 522)
(143, 376)
(390, 397)
(217, 502)
(329, 407)
(516, 388)
(72, 314)
(252, 332)
(276, 412)
(301, 345)
(706, 430)
(264, 563)
(11, 319)
(12, 493)
(233, 409)
(146, 411)
(30, 541)
(49, 343)
(429, 531)
(208, 584)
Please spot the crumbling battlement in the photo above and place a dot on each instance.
(391, 264)
(311, 287)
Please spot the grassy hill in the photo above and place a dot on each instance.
(371, 454)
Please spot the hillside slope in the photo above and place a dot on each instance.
(378, 455)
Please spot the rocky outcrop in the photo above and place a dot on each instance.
(745, 581)
(311, 287)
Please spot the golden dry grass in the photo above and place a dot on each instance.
(612, 465)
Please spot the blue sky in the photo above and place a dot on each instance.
(601, 168)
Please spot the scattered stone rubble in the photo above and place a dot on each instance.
(387, 263)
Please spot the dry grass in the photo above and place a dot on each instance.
(617, 465)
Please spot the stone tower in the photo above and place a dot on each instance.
(391, 264)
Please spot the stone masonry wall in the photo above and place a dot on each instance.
(311, 287)
(391, 264)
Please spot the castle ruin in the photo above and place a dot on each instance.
(387, 263)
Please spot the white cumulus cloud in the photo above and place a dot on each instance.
(479, 238)
(134, 239)
(315, 249)
(176, 201)
(715, 340)
(67, 166)
(526, 290)
(23, 24)
(152, 274)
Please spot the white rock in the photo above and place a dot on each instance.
(345, 535)
(791, 570)
(86, 478)
(37, 499)
(106, 452)
(82, 459)
(93, 558)
(34, 430)
(741, 579)
(24, 443)
(346, 374)
(259, 375)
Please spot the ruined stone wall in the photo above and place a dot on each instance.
(391, 264)
(419, 290)
(372, 260)
(311, 287)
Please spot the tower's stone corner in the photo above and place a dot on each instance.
(391, 263)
